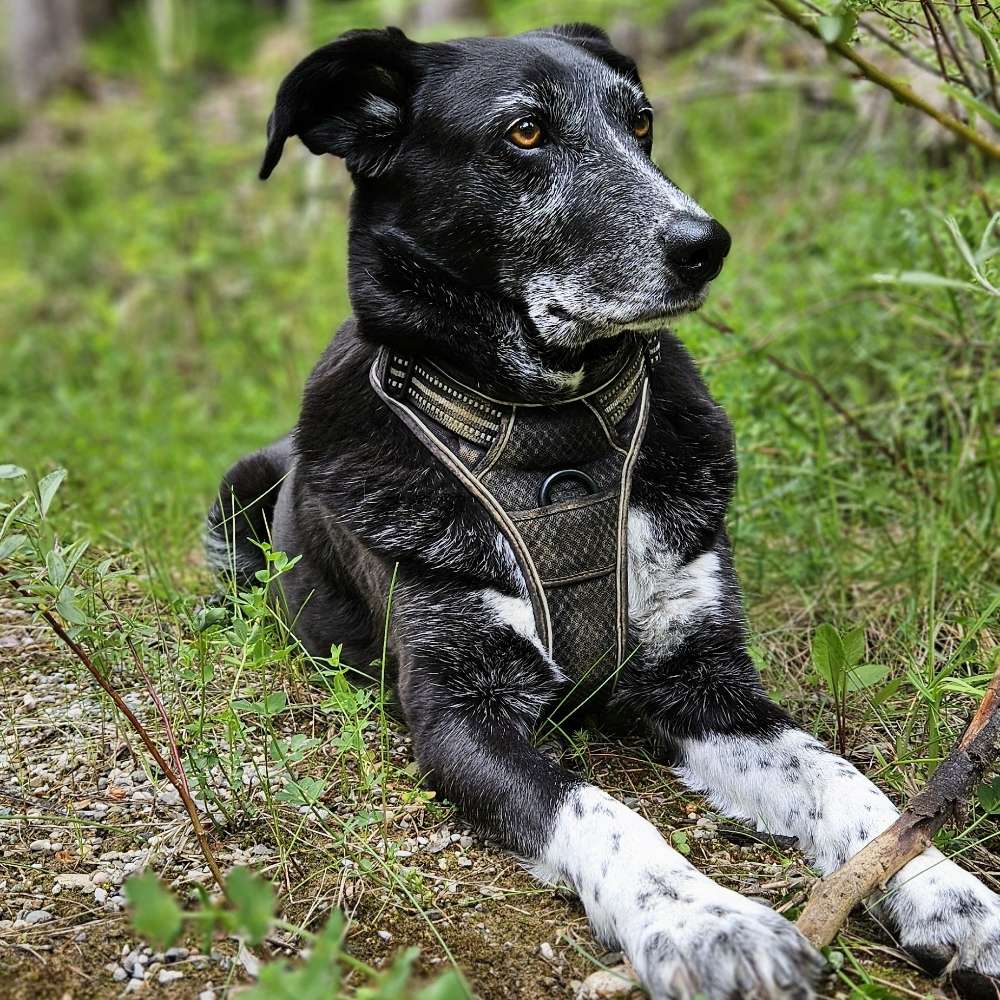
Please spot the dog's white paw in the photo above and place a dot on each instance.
(949, 920)
(721, 946)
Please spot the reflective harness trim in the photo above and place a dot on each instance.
(526, 464)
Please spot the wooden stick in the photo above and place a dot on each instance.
(832, 898)
(174, 777)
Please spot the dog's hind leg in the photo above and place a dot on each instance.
(243, 512)
(473, 683)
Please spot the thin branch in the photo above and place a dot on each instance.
(900, 90)
(834, 897)
(903, 51)
(179, 784)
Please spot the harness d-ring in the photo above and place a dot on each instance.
(557, 477)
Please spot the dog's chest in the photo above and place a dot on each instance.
(555, 480)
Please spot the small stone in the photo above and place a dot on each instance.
(100, 896)
(29, 702)
(168, 976)
(119, 975)
(40, 845)
(206, 995)
(385, 935)
(100, 877)
(609, 984)
(545, 950)
(74, 881)
(37, 917)
(134, 985)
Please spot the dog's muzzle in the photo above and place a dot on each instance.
(555, 478)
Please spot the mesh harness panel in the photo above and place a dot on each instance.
(556, 480)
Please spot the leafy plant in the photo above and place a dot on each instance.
(837, 660)
(249, 913)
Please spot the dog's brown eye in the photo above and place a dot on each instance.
(526, 134)
(642, 124)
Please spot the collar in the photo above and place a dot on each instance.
(478, 418)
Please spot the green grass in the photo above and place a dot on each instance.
(160, 308)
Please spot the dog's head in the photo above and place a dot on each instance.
(502, 177)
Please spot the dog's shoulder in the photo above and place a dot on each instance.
(688, 452)
(342, 418)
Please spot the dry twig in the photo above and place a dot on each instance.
(833, 897)
(176, 778)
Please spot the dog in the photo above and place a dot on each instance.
(507, 437)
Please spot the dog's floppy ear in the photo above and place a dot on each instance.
(348, 98)
(596, 41)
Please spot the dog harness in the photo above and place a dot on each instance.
(555, 478)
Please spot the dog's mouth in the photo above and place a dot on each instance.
(570, 327)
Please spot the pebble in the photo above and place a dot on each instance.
(545, 950)
(37, 917)
(74, 881)
(40, 845)
(100, 896)
(206, 995)
(385, 935)
(168, 976)
(119, 975)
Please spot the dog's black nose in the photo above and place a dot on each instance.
(696, 247)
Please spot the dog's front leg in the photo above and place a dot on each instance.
(474, 682)
(787, 782)
(698, 691)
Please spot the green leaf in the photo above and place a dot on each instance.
(56, 567)
(680, 841)
(973, 103)
(155, 913)
(986, 36)
(273, 704)
(47, 488)
(887, 692)
(68, 608)
(865, 675)
(10, 545)
(12, 472)
(989, 795)
(317, 979)
(835, 28)
(302, 792)
(252, 898)
(828, 655)
(207, 618)
(923, 278)
(854, 646)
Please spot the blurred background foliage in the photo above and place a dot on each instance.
(160, 307)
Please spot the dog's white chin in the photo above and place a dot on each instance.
(577, 329)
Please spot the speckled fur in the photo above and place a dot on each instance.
(526, 270)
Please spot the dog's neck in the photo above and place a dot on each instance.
(414, 306)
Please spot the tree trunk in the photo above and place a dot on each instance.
(431, 13)
(44, 41)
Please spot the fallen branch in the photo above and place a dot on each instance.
(176, 778)
(902, 91)
(832, 898)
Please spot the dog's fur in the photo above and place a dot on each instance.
(523, 269)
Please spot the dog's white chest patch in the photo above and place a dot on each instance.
(666, 596)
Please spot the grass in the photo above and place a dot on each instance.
(160, 310)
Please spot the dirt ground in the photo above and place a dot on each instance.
(78, 813)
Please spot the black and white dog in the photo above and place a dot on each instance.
(510, 230)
